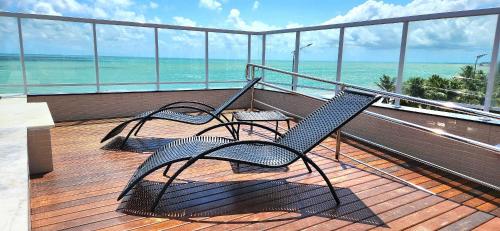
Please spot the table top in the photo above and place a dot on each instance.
(260, 116)
(30, 115)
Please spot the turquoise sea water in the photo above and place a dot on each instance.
(178, 73)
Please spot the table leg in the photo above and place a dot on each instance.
(276, 135)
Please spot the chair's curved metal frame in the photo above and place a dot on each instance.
(276, 132)
(178, 102)
(150, 116)
(191, 160)
(232, 142)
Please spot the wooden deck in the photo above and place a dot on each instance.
(81, 192)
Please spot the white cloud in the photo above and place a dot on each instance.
(459, 33)
(237, 22)
(184, 21)
(153, 5)
(45, 8)
(210, 4)
(255, 5)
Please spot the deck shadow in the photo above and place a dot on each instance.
(195, 199)
(135, 144)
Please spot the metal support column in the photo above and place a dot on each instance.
(263, 54)
(206, 59)
(157, 59)
(339, 57)
(249, 47)
(295, 63)
(96, 59)
(493, 69)
(21, 55)
(402, 54)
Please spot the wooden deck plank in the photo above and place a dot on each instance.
(81, 193)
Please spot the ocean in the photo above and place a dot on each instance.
(182, 74)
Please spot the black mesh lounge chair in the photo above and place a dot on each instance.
(288, 148)
(166, 113)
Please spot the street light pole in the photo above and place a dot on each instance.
(293, 53)
(475, 63)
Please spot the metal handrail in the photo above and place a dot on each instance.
(401, 122)
(447, 105)
(423, 17)
(120, 23)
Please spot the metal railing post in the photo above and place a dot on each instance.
(263, 61)
(401, 66)
(253, 89)
(493, 69)
(339, 57)
(295, 62)
(96, 59)
(21, 55)
(249, 47)
(206, 59)
(157, 60)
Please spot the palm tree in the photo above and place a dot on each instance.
(414, 87)
(437, 88)
(386, 83)
(472, 86)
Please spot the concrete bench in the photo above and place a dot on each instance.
(25, 148)
(36, 118)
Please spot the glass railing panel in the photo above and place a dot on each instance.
(58, 52)
(227, 85)
(126, 55)
(318, 57)
(182, 56)
(279, 54)
(182, 86)
(10, 66)
(128, 88)
(256, 49)
(227, 57)
(371, 56)
(448, 59)
(43, 90)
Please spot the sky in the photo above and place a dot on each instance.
(453, 40)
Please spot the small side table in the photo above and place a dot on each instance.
(261, 116)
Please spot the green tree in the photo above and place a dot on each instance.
(472, 86)
(386, 83)
(415, 87)
(437, 88)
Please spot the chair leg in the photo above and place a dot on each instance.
(139, 128)
(166, 170)
(276, 135)
(170, 180)
(129, 134)
(325, 178)
(307, 166)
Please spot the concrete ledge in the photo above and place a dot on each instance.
(14, 180)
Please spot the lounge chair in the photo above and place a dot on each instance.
(166, 113)
(288, 148)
